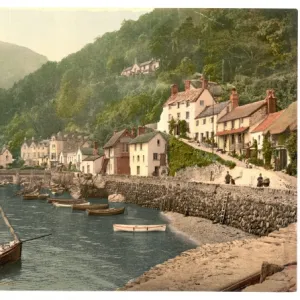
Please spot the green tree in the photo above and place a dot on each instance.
(267, 150)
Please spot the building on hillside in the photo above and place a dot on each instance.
(6, 157)
(35, 152)
(279, 131)
(186, 106)
(148, 154)
(143, 68)
(60, 141)
(92, 164)
(206, 121)
(84, 153)
(233, 129)
(258, 132)
(116, 152)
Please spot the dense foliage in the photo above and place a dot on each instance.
(291, 145)
(181, 155)
(252, 49)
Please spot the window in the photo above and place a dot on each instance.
(143, 158)
(138, 170)
(204, 121)
(82, 169)
(225, 124)
(240, 138)
(178, 115)
(138, 158)
(6, 157)
(201, 102)
(241, 122)
(197, 123)
(53, 146)
(202, 136)
(125, 147)
(258, 140)
(158, 142)
(178, 105)
(88, 168)
(141, 146)
(155, 156)
(232, 124)
(187, 115)
(211, 119)
(232, 139)
(187, 103)
(134, 147)
(170, 106)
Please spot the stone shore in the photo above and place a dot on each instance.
(212, 267)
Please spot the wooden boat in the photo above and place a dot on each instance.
(10, 252)
(43, 196)
(105, 212)
(30, 196)
(67, 205)
(89, 206)
(139, 228)
(66, 201)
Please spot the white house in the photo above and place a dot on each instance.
(148, 154)
(6, 157)
(92, 164)
(143, 68)
(186, 105)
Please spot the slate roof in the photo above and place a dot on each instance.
(145, 138)
(113, 140)
(243, 111)
(213, 110)
(287, 120)
(267, 121)
(92, 158)
(232, 131)
(87, 151)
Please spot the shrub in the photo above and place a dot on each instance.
(256, 161)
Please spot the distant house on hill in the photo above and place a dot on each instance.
(5, 157)
(143, 68)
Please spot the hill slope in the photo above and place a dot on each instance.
(16, 62)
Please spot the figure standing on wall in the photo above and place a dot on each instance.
(227, 178)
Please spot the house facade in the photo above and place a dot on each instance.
(35, 152)
(6, 158)
(148, 154)
(92, 164)
(233, 129)
(143, 68)
(116, 152)
(206, 121)
(186, 105)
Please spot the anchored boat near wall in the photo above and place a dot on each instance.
(66, 205)
(66, 201)
(139, 228)
(89, 206)
(105, 212)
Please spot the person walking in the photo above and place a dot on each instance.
(227, 178)
(260, 181)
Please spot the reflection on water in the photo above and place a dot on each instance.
(83, 252)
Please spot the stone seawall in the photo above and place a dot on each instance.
(254, 210)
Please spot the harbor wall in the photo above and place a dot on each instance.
(254, 210)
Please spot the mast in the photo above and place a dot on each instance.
(8, 225)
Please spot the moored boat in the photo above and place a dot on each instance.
(105, 212)
(30, 196)
(66, 205)
(66, 201)
(43, 196)
(89, 206)
(139, 228)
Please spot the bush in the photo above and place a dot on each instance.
(256, 161)
(291, 169)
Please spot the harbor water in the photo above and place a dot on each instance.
(83, 253)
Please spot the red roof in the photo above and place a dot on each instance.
(268, 120)
(232, 131)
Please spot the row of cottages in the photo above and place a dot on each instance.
(35, 152)
(143, 68)
(186, 105)
(143, 154)
(6, 158)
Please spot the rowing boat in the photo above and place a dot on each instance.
(105, 212)
(43, 196)
(66, 205)
(30, 196)
(139, 228)
(89, 206)
(10, 252)
(66, 201)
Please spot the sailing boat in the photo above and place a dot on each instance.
(10, 252)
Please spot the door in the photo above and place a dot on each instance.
(156, 171)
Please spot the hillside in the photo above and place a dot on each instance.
(251, 49)
(16, 62)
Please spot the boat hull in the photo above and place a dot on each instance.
(89, 206)
(139, 228)
(30, 197)
(105, 212)
(66, 201)
(66, 205)
(12, 254)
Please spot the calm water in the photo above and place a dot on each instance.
(83, 253)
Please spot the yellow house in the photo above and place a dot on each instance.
(148, 154)
(5, 157)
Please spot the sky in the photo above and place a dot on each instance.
(57, 33)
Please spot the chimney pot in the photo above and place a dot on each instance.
(95, 150)
(204, 83)
(187, 85)
(234, 98)
(174, 89)
(271, 101)
(141, 130)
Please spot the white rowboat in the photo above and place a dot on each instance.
(67, 205)
(139, 228)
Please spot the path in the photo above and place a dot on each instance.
(212, 267)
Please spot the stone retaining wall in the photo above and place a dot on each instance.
(255, 210)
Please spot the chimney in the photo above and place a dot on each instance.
(95, 150)
(174, 89)
(204, 83)
(141, 130)
(234, 98)
(187, 85)
(271, 102)
(133, 132)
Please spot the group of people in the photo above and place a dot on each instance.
(229, 179)
(260, 180)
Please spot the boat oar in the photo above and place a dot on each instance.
(35, 238)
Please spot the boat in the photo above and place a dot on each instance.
(30, 196)
(105, 212)
(66, 201)
(67, 205)
(139, 228)
(89, 206)
(57, 192)
(10, 252)
(43, 196)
